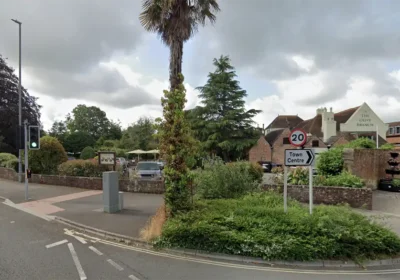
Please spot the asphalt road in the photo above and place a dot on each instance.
(23, 255)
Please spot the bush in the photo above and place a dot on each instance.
(47, 159)
(330, 162)
(12, 164)
(387, 146)
(82, 168)
(253, 169)
(4, 157)
(219, 180)
(277, 170)
(87, 153)
(256, 226)
(344, 179)
(298, 176)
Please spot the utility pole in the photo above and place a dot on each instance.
(20, 106)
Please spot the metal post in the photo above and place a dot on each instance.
(19, 103)
(26, 161)
(310, 182)
(377, 138)
(285, 178)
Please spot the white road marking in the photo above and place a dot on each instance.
(95, 250)
(78, 265)
(71, 233)
(114, 264)
(56, 243)
(12, 222)
(133, 277)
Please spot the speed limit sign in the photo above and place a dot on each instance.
(298, 137)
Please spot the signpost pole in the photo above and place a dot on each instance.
(310, 182)
(26, 161)
(285, 178)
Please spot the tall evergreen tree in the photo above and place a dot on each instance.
(223, 124)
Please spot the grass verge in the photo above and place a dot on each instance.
(256, 226)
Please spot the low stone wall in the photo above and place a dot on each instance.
(355, 197)
(91, 183)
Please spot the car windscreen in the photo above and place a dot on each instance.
(148, 166)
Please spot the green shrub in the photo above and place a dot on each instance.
(83, 168)
(4, 157)
(118, 152)
(387, 146)
(256, 226)
(47, 159)
(219, 180)
(361, 143)
(298, 176)
(344, 179)
(254, 169)
(87, 153)
(12, 164)
(277, 170)
(330, 162)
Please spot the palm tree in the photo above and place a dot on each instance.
(176, 21)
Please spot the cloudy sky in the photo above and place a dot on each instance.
(291, 56)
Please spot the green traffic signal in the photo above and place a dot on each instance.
(34, 136)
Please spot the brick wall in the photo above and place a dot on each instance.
(278, 148)
(369, 164)
(91, 183)
(261, 151)
(356, 198)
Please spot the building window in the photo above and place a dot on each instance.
(286, 141)
(315, 143)
(397, 129)
(391, 130)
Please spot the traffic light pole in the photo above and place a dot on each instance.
(26, 161)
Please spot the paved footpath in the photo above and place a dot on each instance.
(84, 206)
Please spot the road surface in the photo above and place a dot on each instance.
(33, 248)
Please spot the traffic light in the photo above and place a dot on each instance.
(34, 137)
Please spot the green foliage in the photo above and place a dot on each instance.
(141, 135)
(330, 162)
(387, 146)
(88, 153)
(59, 130)
(175, 146)
(118, 152)
(223, 124)
(4, 157)
(77, 141)
(344, 179)
(12, 164)
(48, 157)
(361, 143)
(219, 180)
(93, 121)
(298, 176)
(277, 170)
(256, 226)
(82, 168)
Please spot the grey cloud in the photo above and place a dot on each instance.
(343, 37)
(64, 43)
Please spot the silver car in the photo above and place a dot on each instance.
(148, 170)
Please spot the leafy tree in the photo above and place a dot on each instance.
(47, 159)
(175, 146)
(176, 21)
(114, 131)
(9, 100)
(77, 141)
(223, 123)
(91, 120)
(87, 153)
(59, 130)
(140, 135)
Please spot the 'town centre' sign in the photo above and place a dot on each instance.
(297, 157)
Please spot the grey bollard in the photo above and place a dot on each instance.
(110, 192)
(121, 201)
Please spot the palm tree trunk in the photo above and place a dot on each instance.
(175, 63)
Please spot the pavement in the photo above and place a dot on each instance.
(84, 206)
(33, 248)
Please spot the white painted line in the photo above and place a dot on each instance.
(80, 239)
(56, 243)
(78, 265)
(133, 277)
(12, 222)
(21, 208)
(114, 264)
(95, 250)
